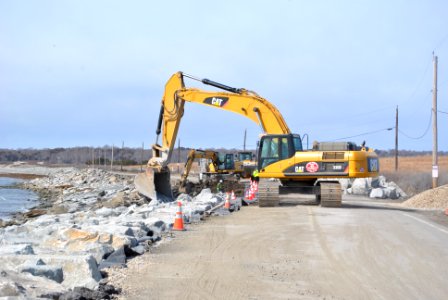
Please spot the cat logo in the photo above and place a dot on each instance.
(216, 101)
(312, 167)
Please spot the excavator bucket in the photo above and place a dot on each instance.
(154, 184)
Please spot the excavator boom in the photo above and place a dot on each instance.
(244, 102)
(240, 101)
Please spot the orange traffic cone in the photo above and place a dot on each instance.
(227, 203)
(251, 193)
(255, 186)
(232, 196)
(246, 194)
(179, 220)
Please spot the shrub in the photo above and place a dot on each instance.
(413, 183)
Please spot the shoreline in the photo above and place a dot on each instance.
(16, 200)
(87, 221)
(25, 176)
(42, 202)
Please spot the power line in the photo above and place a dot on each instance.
(365, 133)
(417, 87)
(426, 131)
(442, 41)
(350, 117)
(443, 112)
(372, 111)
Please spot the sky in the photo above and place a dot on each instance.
(92, 73)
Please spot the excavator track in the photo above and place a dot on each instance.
(268, 193)
(330, 194)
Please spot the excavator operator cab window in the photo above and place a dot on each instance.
(297, 143)
(244, 156)
(275, 148)
(226, 161)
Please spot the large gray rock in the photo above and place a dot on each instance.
(26, 234)
(156, 227)
(400, 193)
(78, 270)
(377, 193)
(204, 196)
(135, 231)
(105, 212)
(25, 249)
(117, 258)
(391, 192)
(11, 289)
(51, 272)
(345, 183)
(118, 200)
(360, 186)
(98, 251)
(379, 182)
(74, 240)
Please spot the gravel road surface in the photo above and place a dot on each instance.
(359, 251)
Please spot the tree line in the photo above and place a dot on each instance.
(391, 152)
(93, 155)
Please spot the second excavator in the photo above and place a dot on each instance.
(281, 159)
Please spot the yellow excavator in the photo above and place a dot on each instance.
(245, 163)
(213, 167)
(221, 166)
(281, 158)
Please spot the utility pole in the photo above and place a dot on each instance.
(396, 139)
(93, 157)
(244, 145)
(141, 157)
(112, 158)
(178, 156)
(122, 148)
(435, 167)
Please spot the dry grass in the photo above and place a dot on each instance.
(413, 164)
(414, 173)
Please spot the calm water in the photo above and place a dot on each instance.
(14, 200)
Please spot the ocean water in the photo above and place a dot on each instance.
(13, 199)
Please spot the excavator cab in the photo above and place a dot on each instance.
(277, 147)
(244, 156)
(226, 161)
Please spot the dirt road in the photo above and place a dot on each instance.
(297, 252)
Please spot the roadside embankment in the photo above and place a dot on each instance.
(89, 220)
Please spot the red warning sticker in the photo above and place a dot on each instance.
(312, 167)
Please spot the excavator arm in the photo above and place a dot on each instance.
(240, 101)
